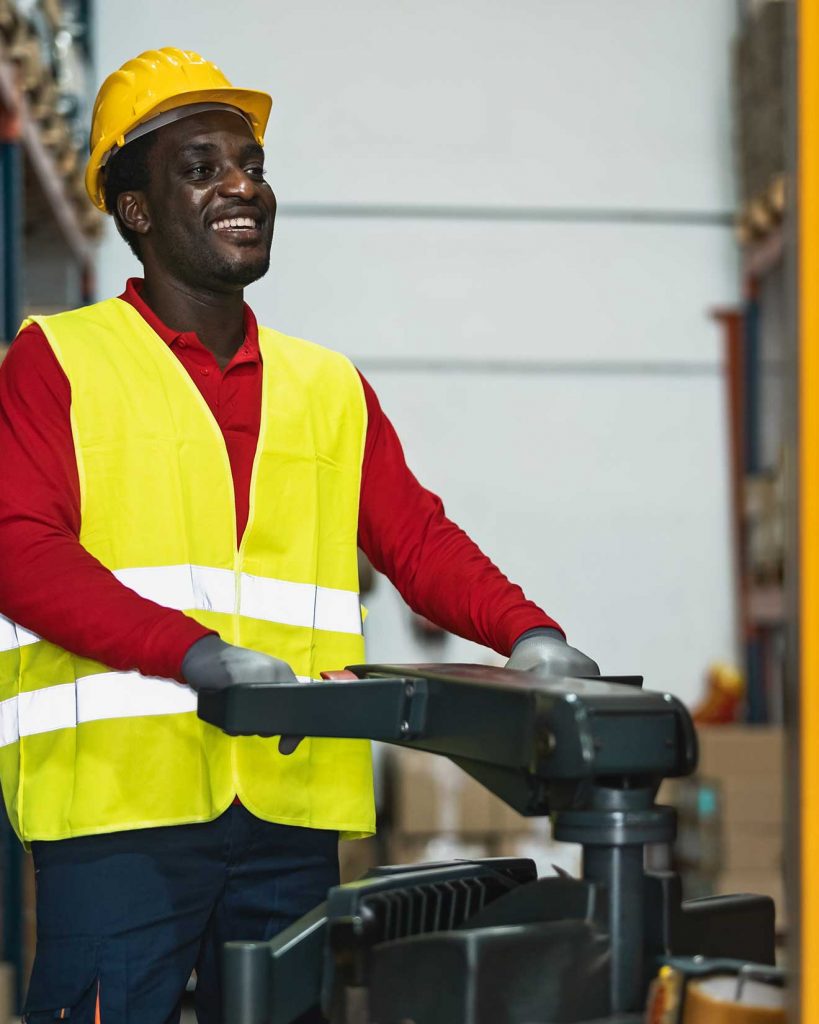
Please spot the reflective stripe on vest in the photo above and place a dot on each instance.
(200, 588)
(93, 699)
(86, 749)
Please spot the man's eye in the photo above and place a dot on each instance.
(256, 172)
(199, 171)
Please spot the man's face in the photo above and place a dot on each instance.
(211, 212)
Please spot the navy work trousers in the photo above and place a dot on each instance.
(124, 918)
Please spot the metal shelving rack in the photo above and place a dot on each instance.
(748, 372)
(47, 235)
(42, 160)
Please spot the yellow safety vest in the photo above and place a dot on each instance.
(84, 749)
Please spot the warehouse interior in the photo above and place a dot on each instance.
(558, 239)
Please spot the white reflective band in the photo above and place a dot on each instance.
(277, 601)
(201, 588)
(13, 636)
(25, 636)
(130, 695)
(94, 698)
(337, 610)
(107, 695)
(184, 587)
(188, 587)
(43, 710)
(9, 728)
(300, 604)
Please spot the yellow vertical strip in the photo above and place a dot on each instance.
(808, 462)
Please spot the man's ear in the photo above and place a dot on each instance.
(132, 211)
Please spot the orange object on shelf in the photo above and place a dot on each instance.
(725, 690)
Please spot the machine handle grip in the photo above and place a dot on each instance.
(287, 744)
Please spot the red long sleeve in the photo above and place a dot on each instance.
(49, 583)
(438, 570)
(52, 586)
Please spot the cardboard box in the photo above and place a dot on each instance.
(550, 856)
(697, 884)
(752, 800)
(414, 849)
(357, 856)
(730, 814)
(731, 750)
(751, 847)
(698, 801)
(6, 993)
(431, 795)
(698, 849)
(667, 793)
(505, 821)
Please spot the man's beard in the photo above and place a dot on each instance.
(202, 266)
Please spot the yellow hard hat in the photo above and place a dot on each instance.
(152, 84)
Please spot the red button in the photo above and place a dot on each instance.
(204, 372)
(183, 343)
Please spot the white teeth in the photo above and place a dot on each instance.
(234, 222)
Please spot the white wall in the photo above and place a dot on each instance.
(509, 215)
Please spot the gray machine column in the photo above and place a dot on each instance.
(613, 828)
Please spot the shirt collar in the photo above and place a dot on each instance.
(133, 295)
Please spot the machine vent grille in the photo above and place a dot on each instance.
(428, 907)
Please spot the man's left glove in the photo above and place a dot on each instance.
(546, 653)
(211, 664)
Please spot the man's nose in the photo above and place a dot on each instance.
(237, 182)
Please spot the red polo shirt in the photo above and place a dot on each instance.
(51, 585)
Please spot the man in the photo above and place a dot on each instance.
(183, 497)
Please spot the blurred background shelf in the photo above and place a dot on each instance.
(764, 255)
(45, 86)
(765, 605)
(48, 232)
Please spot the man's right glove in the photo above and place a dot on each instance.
(545, 652)
(211, 664)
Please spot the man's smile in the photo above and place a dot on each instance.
(239, 230)
(240, 226)
(234, 223)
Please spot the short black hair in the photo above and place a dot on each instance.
(127, 171)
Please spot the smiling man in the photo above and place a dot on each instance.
(183, 496)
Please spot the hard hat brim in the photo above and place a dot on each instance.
(255, 105)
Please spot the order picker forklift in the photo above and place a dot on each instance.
(486, 941)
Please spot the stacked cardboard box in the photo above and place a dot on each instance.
(6, 993)
(357, 856)
(730, 814)
(698, 848)
(748, 762)
(437, 812)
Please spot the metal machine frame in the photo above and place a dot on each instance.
(589, 752)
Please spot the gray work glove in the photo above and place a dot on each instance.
(211, 664)
(546, 653)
